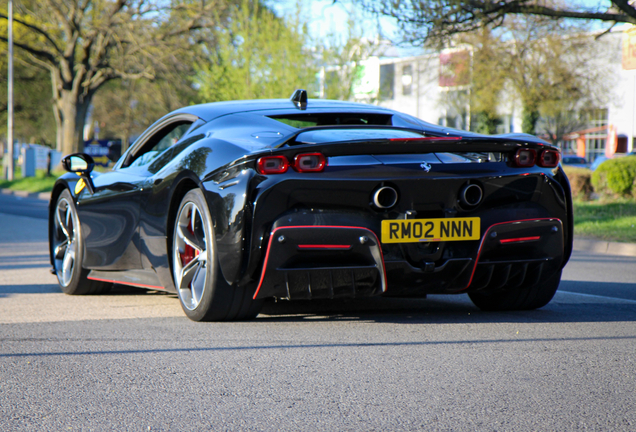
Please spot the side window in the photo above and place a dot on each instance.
(159, 143)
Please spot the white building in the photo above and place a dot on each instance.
(423, 87)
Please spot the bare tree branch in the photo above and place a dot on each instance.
(436, 20)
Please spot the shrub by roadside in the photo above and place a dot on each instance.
(616, 177)
(580, 182)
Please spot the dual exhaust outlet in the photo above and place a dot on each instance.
(386, 197)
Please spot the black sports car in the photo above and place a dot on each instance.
(231, 203)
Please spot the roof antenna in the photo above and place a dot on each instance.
(299, 98)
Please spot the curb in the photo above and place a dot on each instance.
(24, 194)
(604, 247)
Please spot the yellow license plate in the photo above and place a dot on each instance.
(427, 230)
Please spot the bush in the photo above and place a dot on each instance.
(580, 182)
(615, 177)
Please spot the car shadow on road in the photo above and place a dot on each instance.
(54, 288)
(567, 306)
(574, 302)
(7, 290)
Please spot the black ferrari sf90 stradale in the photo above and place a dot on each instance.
(231, 203)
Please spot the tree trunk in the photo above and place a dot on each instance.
(70, 105)
(530, 117)
(72, 111)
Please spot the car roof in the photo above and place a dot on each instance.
(210, 111)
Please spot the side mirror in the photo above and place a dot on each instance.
(78, 163)
(82, 165)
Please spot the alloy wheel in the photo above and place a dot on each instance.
(190, 255)
(65, 241)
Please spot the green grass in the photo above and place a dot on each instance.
(39, 183)
(606, 220)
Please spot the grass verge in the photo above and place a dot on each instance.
(39, 183)
(606, 220)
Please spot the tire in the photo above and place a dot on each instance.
(67, 248)
(532, 297)
(203, 291)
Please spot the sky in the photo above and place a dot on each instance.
(326, 17)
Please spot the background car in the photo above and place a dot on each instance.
(599, 160)
(231, 203)
(574, 161)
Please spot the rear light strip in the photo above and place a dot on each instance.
(303, 162)
(427, 139)
(527, 157)
(323, 246)
(519, 240)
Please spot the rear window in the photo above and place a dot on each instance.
(301, 121)
(353, 134)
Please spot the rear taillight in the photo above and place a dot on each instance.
(272, 165)
(525, 157)
(309, 162)
(304, 162)
(549, 159)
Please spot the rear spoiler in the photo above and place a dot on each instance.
(409, 146)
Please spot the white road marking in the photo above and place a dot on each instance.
(597, 296)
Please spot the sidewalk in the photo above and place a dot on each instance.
(580, 244)
(604, 247)
(42, 195)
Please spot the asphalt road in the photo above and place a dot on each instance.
(130, 360)
(24, 206)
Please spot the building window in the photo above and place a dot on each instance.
(387, 78)
(407, 80)
(598, 117)
(595, 141)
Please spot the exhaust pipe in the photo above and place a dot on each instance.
(471, 195)
(385, 197)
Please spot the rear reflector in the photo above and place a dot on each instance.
(549, 158)
(525, 157)
(309, 162)
(520, 239)
(323, 246)
(272, 165)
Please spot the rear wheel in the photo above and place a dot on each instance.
(532, 297)
(68, 250)
(202, 289)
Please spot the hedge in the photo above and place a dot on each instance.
(616, 177)
(580, 182)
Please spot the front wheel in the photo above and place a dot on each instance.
(203, 292)
(67, 248)
(532, 297)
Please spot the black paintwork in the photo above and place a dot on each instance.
(127, 223)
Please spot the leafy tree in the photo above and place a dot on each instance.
(84, 44)
(255, 55)
(553, 69)
(437, 20)
(125, 108)
(342, 57)
(487, 79)
(33, 120)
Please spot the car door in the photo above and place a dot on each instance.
(110, 217)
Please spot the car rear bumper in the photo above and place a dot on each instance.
(313, 255)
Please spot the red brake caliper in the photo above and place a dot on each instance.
(189, 252)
